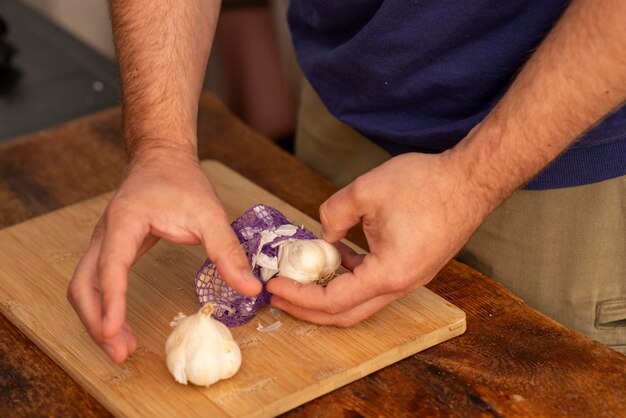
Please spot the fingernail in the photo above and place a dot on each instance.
(247, 274)
(108, 349)
(249, 277)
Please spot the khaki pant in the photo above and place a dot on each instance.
(563, 251)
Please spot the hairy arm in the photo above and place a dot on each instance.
(418, 210)
(575, 78)
(162, 48)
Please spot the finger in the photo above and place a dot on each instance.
(126, 327)
(121, 243)
(131, 341)
(83, 292)
(343, 293)
(339, 213)
(350, 259)
(223, 247)
(344, 319)
(84, 296)
(120, 346)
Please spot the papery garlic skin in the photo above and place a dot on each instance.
(202, 350)
(308, 260)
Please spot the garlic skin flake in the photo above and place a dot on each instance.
(308, 260)
(201, 350)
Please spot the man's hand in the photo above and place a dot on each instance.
(418, 210)
(416, 214)
(165, 195)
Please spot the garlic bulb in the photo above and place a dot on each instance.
(308, 260)
(201, 350)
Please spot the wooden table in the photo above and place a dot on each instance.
(512, 360)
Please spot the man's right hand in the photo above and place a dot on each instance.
(164, 195)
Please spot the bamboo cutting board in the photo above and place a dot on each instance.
(280, 370)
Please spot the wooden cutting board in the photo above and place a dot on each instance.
(280, 370)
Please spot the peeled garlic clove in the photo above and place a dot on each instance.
(202, 350)
(308, 260)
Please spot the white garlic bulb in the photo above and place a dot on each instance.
(308, 260)
(201, 350)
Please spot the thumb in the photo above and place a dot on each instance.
(339, 213)
(223, 248)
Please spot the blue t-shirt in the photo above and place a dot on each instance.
(417, 75)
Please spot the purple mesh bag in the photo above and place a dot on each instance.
(255, 227)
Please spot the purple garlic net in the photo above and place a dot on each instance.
(254, 226)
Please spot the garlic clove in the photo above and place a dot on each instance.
(179, 373)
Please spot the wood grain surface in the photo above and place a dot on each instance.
(511, 361)
(281, 370)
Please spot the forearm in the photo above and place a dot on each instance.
(575, 78)
(162, 48)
